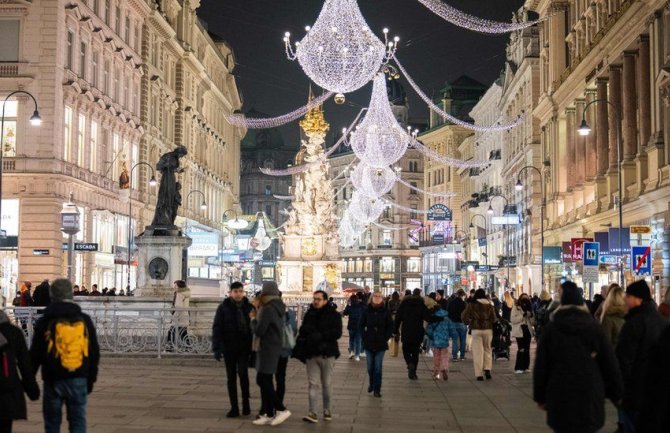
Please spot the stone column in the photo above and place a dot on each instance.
(629, 107)
(614, 115)
(602, 127)
(644, 90)
(591, 139)
(580, 149)
(557, 46)
(570, 140)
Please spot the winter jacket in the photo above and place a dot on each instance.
(440, 332)
(643, 327)
(541, 318)
(354, 311)
(455, 308)
(575, 370)
(376, 327)
(612, 323)
(41, 297)
(268, 326)
(231, 331)
(393, 306)
(655, 406)
(479, 315)
(318, 335)
(56, 366)
(13, 343)
(181, 301)
(25, 300)
(409, 319)
(519, 318)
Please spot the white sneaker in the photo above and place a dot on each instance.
(358, 358)
(262, 420)
(362, 354)
(519, 372)
(351, 355)
(280, 417)
(429, 353)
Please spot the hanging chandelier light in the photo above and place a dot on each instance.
(339, 52)
(372, 182)
(364, 208)
(379, 140)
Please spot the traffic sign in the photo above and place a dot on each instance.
(591, 253)
(608, 259)
(641, 260)
(640, 230)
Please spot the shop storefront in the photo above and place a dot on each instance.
(9, 261)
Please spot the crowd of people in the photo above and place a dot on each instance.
(26, 296)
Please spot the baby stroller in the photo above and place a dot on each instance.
(502, 340)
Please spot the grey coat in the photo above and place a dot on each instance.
(269, 328)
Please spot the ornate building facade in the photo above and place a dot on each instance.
(118, 82)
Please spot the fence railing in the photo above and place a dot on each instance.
(141, 330)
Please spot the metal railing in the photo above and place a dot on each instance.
(141, 330)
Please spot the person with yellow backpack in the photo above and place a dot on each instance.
(66, 347)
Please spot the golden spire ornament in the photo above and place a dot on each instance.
(314, 123)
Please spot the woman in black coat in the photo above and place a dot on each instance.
(14, 356)
(575, 368)
(376, 327)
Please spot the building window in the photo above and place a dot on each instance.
(387, 213)
(367, 266)
(82, 59)
(68, 53)
(387, 265)
(413, 214)
(9, 35)
(414, 264)
(94, 147)
(116, 84)
(9, 130)
(67, 133)
(412, 190)
(268, 210)
(127, 30)
(387, 237)
(137, 39)
(268, 189)
(94, 68)
(81, 133)
(359, 265)
(117, 19)
(105, 78)
(116, 157)
(350, 265)
(135, 157)
(107, 9)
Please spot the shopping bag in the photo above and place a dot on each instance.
(394, 347)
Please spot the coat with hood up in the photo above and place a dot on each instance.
(440, 332)
(575, 370)
(268, 327)
(12, 400)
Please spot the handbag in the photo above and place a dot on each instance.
(394, 347)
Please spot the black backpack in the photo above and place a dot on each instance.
(9, 377)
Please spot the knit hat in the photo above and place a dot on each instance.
(60, 290)
(545, 296)
(270, 289)
(639, 289)
(572, 295)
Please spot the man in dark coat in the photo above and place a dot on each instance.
(655, 413)
(316, 346)
(643, 327)
(41, 296)
(377, 327)
(575, 368)
(355, 310)
(231, 341)
(14, 355)
(409, 324)
(456, 307)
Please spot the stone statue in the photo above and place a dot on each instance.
(124, 178)
(169, 196)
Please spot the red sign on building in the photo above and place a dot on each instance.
(577, 247)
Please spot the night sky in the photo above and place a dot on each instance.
(432, 50)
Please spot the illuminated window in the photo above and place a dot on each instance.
(9, 130)
(94, 147)
(67, 133)
(81, 133)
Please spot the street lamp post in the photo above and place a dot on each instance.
(35, 120)
(490, 212)
(203, 206)
(519, 187)
(152, 182)
(584, 130)
(486, 228)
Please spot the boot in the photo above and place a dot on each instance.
(412, 371)
(246, 408)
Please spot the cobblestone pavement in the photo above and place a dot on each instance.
(185, 395)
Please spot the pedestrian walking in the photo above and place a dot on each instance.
(16, 376)
(376, 327)
(542, 315)
(231, 341)
(180, 316)
(642, 328)
(354, 310)
(575, 368)
(655, 412)
(41, 297)
(409, 325)
(613, 314)
(523, 329)
(440, 331)
(65, 346)
(480, 317)
(460, 330)
(316, 346)
(394, 304)
(290, 326)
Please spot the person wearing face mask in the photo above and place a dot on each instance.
(523, 321)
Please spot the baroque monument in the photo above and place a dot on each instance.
(309, 240)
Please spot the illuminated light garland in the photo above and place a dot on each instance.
(423, 191)
(339, 190)
(364, 208)
(339, 52)
(449, 117)
(379, 140)
(471, 22)
(371, 181)
(454, 162)
(272, 122)
(283, 197)
(405, 208)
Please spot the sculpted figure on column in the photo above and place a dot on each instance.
(169, 196)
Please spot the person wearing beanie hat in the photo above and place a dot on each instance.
(67, 378)
(643, 326)
(574, 345)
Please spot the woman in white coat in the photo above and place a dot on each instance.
(180, 316)
(523, 322)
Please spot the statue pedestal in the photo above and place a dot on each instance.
(159, 263)
(310, 263)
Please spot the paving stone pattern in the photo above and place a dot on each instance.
(174, 395)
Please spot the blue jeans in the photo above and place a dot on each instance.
(375, 360)
(459, 337)
(628, 421)
(73, 392)
(355, 342)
